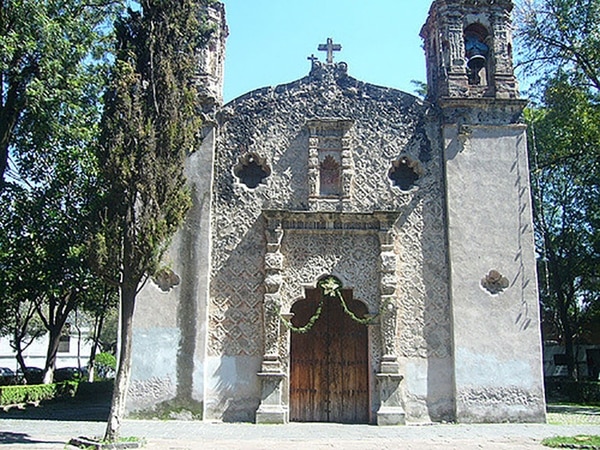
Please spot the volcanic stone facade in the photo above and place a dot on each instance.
(421, 208)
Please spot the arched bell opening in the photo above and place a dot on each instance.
(478, 54)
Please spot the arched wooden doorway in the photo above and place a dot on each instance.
(329, 368)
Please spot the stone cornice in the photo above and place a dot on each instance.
(331, 221)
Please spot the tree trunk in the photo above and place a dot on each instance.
(117, 410)
(563, 314)
(94, 350)
(54, 342)
(9, 115)
(20, 359)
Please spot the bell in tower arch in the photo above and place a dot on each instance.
(477, 53)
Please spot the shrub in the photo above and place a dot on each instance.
(105, 365)
(583, 392)
(14, 395)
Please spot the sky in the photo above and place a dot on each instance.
(269, 41)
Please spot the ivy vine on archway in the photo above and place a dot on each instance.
(331, 288)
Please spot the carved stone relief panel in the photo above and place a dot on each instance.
(351, 257)
(286, 147)
(237, 289)
(425, 322)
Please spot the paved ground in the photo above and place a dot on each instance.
(17, 431)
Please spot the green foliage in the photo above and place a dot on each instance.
(565, 161)
(560, 35)
(150, 124)
(14, 395)
(105, 362)
(579, 441)
(579, 392)
(560, 43)
(331, 287)
(311, 322)
(42, 247)
(49, 78)
(419, 88)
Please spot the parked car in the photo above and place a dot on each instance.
(7, 376)
(69, 374)
(32, 375)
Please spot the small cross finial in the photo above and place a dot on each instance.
(312, 58)
(330, 47)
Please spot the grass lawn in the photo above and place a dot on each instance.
(582, 442)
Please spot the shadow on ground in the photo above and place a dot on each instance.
(574, 409)
(74, 410)
(21, 438)
(97, 410)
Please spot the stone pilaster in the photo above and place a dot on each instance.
(347, 172)
(272, 408)
(313, 166)
(390, 411)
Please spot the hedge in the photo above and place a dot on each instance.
(582, 392)
(15, 395)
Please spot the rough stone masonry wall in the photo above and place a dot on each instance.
(271, 124)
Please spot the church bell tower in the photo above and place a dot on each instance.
(468, 46)
(493, 284)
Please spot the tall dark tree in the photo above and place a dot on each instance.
(560, 50)
(149, 126)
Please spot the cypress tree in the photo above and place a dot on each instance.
(150, 124)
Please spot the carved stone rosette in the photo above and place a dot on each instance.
(272, 408)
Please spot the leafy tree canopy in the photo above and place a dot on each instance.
(560, 43)
(559, 35)
(49, 56)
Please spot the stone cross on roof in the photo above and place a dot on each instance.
(330, 47)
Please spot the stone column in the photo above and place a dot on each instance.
(458, 83)
(505, 81)
(272, 408)
(313, 167)
(390, 411)
(347, 172)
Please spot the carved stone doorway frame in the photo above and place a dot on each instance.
(274, 371)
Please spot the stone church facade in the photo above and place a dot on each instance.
(419, 210)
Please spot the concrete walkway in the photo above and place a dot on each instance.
(182, 435)
(52, 429)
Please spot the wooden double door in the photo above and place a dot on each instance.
(329, 367)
